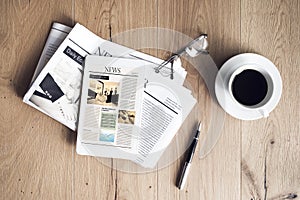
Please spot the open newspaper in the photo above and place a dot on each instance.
(56, 86)
(128, 111)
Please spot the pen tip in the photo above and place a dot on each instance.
(199, 126)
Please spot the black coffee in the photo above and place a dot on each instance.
(249, 87)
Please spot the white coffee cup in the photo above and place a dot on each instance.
(227, 86)
(260, 105)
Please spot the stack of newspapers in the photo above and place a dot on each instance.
(120, 105)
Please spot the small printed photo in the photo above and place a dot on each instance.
(103, 93)
(126, 117)
(54, 101)
(109, 137)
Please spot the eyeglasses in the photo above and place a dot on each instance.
(192, 49)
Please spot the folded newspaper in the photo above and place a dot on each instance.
(127, 110)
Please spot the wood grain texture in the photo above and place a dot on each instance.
(252, 159)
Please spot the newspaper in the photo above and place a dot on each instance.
(126, 112)
(55, 89)
(129, 114)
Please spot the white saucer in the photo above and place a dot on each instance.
(222, 91)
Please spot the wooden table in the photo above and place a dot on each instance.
(252, 159)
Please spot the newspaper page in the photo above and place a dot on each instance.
(110, 106)
(165, 106)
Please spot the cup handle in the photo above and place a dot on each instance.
(264, 113)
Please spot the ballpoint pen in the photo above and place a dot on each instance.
(188, 162)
